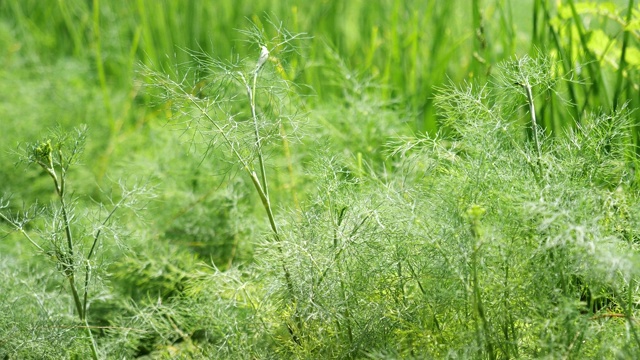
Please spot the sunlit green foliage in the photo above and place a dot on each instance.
(357, 179)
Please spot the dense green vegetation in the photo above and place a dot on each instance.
(320, 179)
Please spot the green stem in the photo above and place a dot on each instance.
(628, 313)
(100, 64)
(566, 60)
(475, 213)
(94, 346)
(76, 297)
(252, 99)
(592, 61)
(67, 229)
(337, 223)
(265, 202)
(534, 30)
(69, 267)
(534, 125)
(95, 239)
(621, 65)
(260, 186)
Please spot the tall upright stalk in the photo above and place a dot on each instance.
(258, 176)
(55, 163)
(474, 215)
(261, 185)
(55, 159)
(534, 125)
(623, 52)
(521, 76)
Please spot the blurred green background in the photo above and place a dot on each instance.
(75, 49)
(407, 47)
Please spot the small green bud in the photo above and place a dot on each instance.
(42, 152)
(476, 212)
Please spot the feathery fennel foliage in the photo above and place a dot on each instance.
(72, 241)
(496, 236)
(485, 242)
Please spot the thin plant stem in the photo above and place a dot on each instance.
(100, 69)
(287, 154)
(475, 213)
(535, 29)
(81, 307)
(94, 346)
(252, 98)
(262, 185)
(99, 232)
(69, 267)
(67, 259)
(337, 223)
(534, 125)
(566, 62)
(18, 227)
(259, 183)
(621, 65)
(594, 70)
